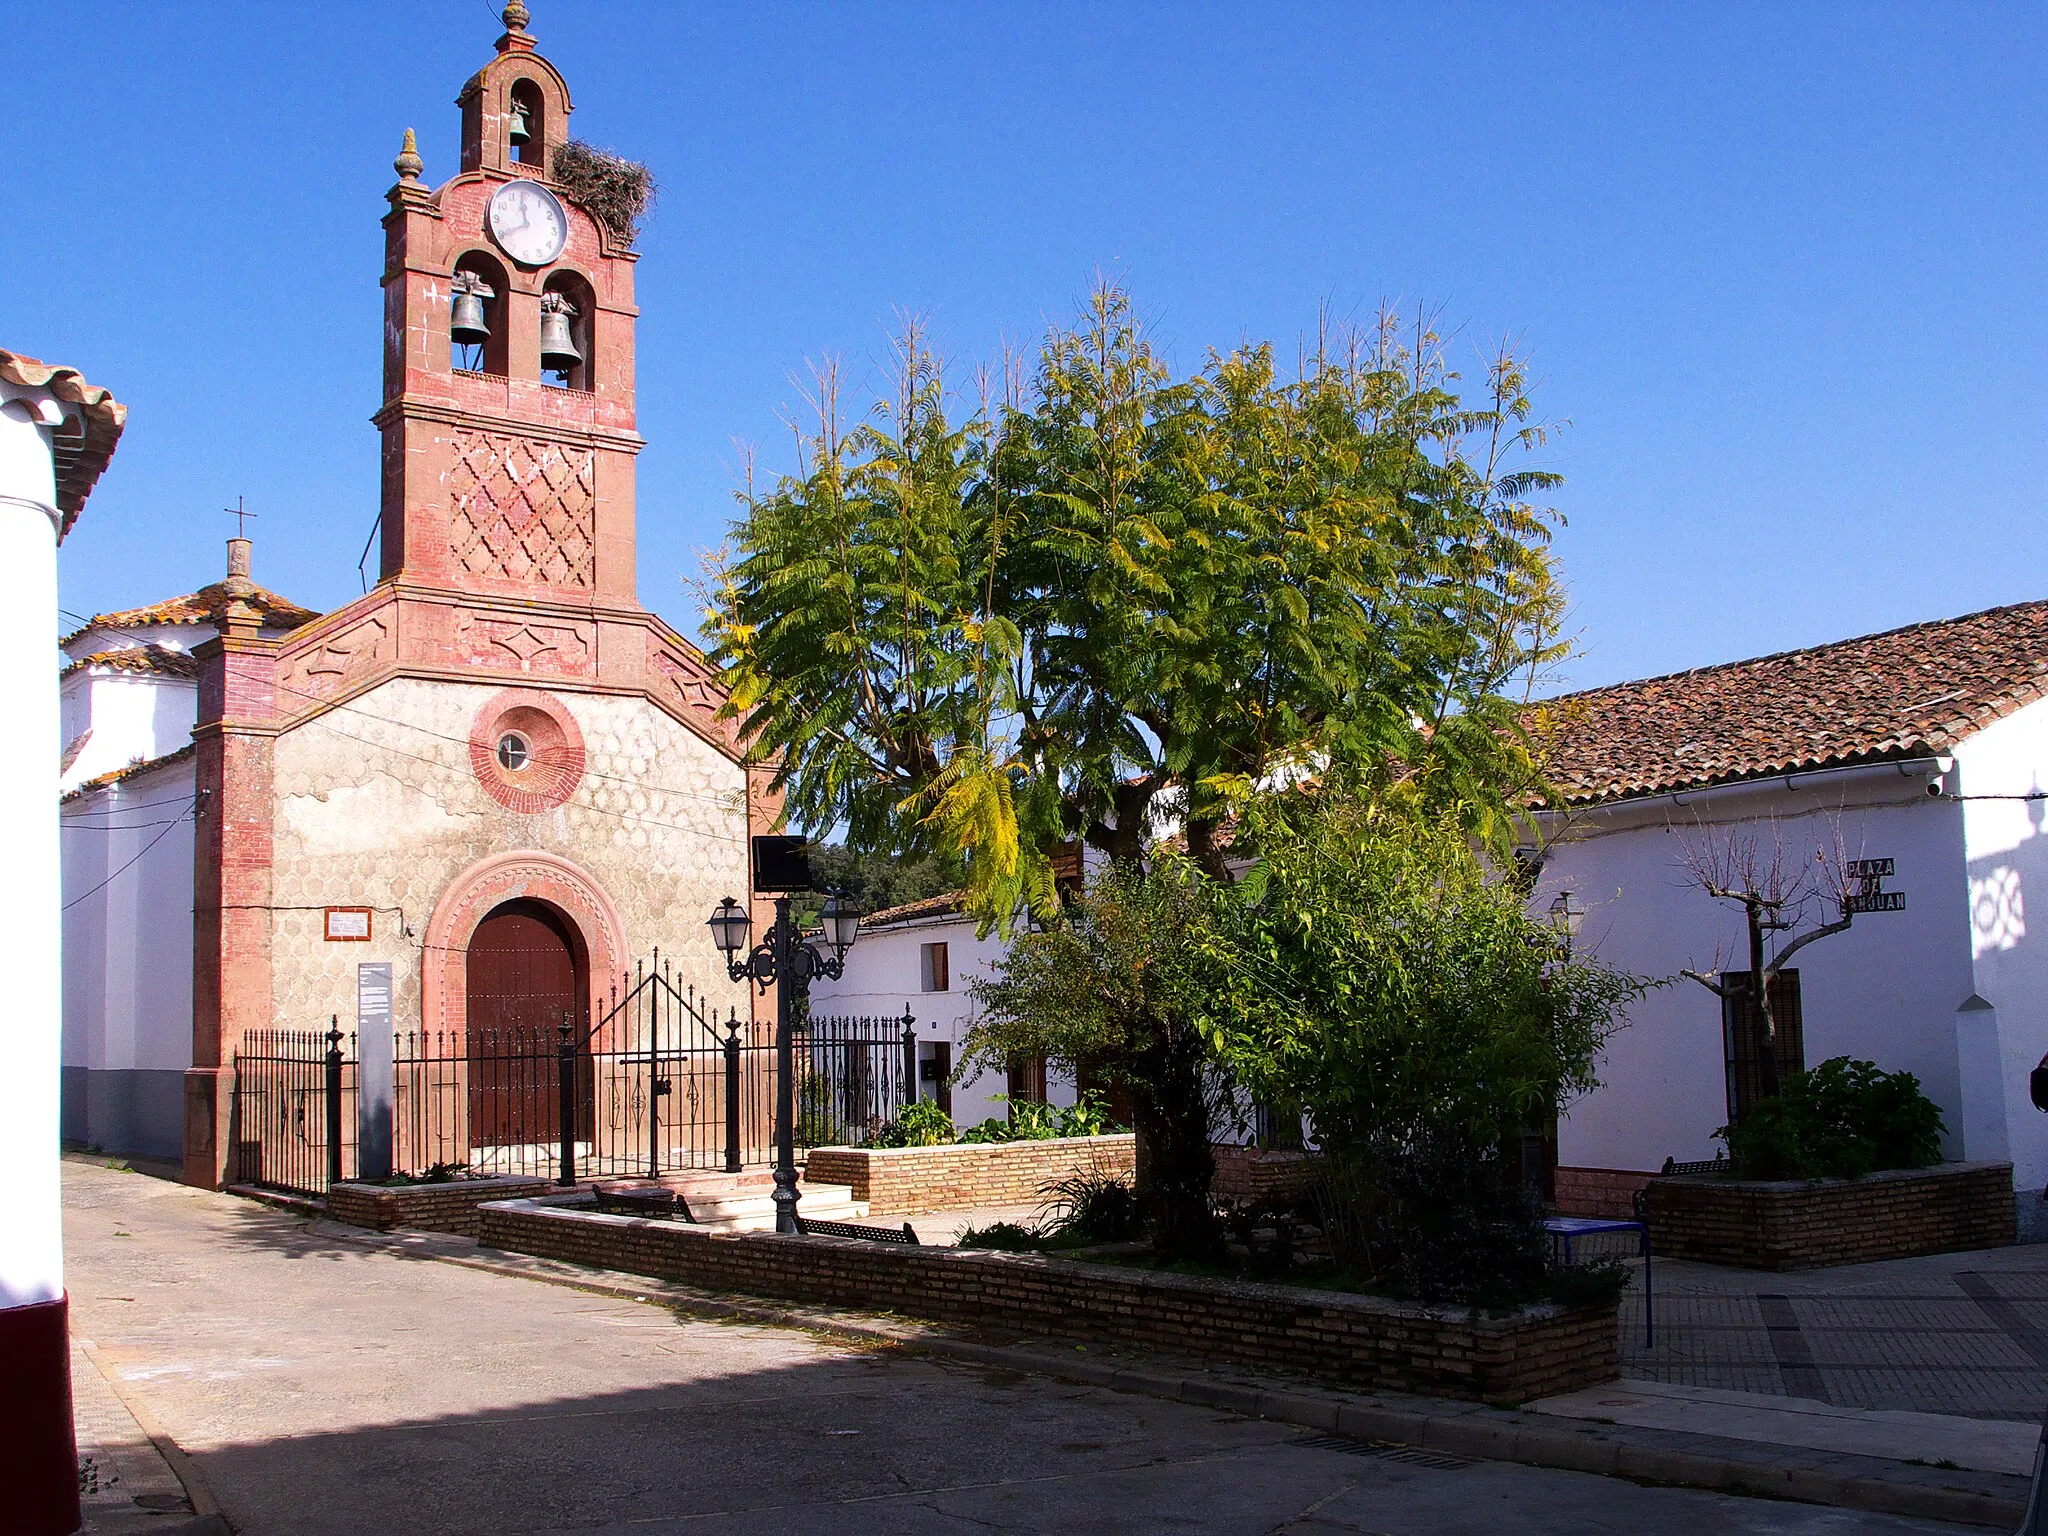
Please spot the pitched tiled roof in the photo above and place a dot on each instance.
(1905, 693)
(79, 455)
(944, 905)
(158, 659)
(130, 772)
(208, 605)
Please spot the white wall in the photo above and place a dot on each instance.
(2007, 845)
(133, 716)
(884, 977)
(127, 943)
(1886, 990)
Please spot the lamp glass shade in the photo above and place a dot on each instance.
(1567, 914)
(729, 925)
(842, 922)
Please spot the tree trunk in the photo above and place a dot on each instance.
(1175, 1166)
(1760, 1001)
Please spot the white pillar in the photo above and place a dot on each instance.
(31, 1031)
(38, 1451)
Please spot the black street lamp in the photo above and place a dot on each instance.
(782, 955)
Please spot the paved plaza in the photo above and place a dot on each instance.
(320, 1385)
(1963, 1334)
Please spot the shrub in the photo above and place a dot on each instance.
(1094, 1207)
(1842, 1119)
(1599, 1283)
(1437, 1218)
(921, 1124)
(1004, 1236)
(1030, 1120)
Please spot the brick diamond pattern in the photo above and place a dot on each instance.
(523, 511)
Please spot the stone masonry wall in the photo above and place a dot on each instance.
(378, 806)
(448, 1207)
(901, 1180)
(1812, 1225)
(1362, 1340)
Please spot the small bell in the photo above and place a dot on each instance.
(467, 322)
(522, 122)
(558, 351)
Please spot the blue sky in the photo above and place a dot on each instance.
(1781, 269)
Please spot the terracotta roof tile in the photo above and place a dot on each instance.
(158, 659)
(130, 772)
(80, 456)
(943, 905)
(1904, 693)
(206, 606)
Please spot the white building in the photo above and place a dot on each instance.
(920, 959)
(1927, 746)
(129, 697)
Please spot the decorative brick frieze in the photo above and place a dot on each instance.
(525, 644)
(1364, 1341)
(522, 510)
(895, 1180)
(1814, 1224)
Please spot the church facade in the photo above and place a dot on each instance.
(496, 747)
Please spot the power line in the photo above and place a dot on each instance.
(463, 741)
(117, 874)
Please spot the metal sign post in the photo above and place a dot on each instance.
(374, 1086)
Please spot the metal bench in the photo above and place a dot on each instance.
(650, 1204)
(808, 1228)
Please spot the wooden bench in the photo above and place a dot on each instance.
(650, 1204)
(807, 1228)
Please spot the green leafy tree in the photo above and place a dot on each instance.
(1109, 597)
(1375, 972)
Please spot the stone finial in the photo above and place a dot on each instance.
(238, 585)
(408, 164)
(515, 16)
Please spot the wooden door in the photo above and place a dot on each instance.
(523, 978)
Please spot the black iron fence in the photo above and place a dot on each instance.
(658, 1085)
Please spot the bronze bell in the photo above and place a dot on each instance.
(467, 322)
(558, 351)
(522, 122)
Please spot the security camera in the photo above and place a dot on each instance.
(1934, 788)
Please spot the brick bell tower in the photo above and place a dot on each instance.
(507, 521)
(508, 368)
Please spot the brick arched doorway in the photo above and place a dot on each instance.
(527, 969)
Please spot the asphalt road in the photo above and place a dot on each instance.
(323, 1387)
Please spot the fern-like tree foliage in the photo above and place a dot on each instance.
(1092, 597)
(1106, 594)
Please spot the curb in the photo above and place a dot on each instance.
(1654, 1456)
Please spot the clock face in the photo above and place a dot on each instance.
(528, 223)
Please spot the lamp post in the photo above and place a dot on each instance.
(1565, 916)
(782, 955)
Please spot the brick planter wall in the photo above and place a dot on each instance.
(903, 1180)
(1250, 1173)
(1605, 1192)
(447, 1207)
(1359, 1340)
(1811, 1225)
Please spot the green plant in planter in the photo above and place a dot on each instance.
(1094, 1207)
(921, 1124)
(1842, 1119)
(1003, 1236)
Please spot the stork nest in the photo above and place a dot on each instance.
(616, 190)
